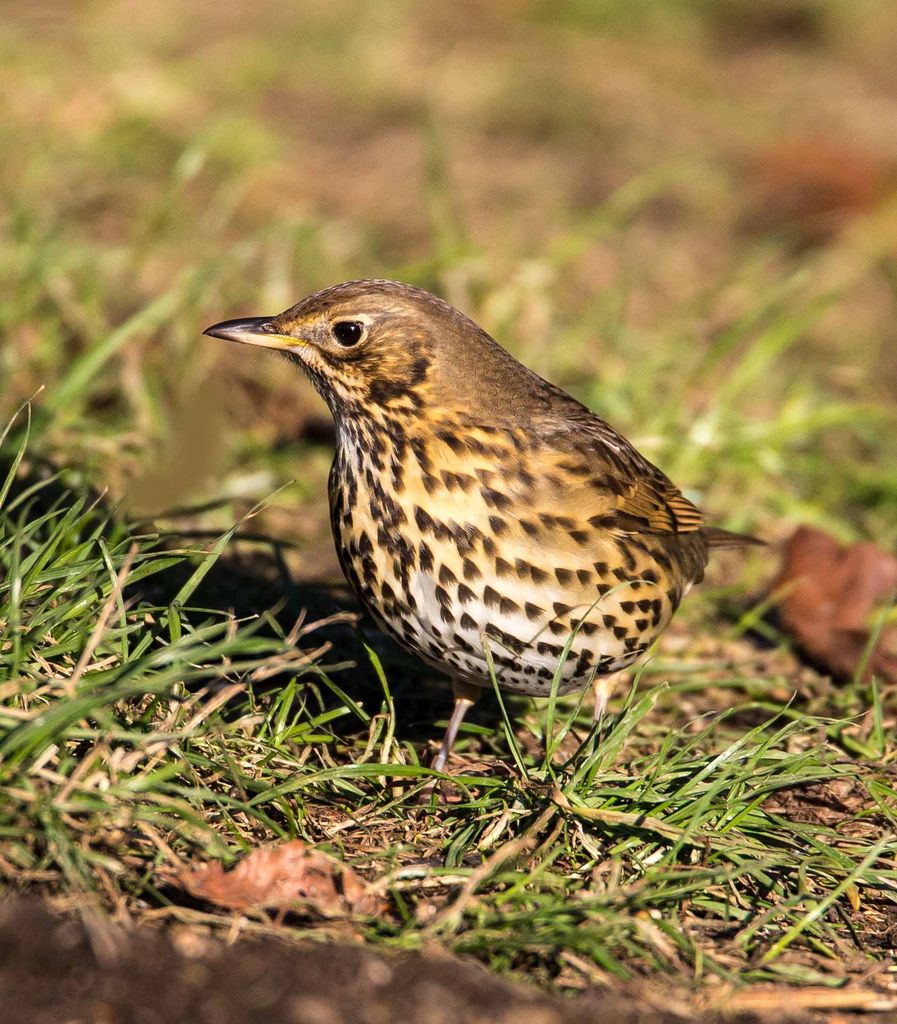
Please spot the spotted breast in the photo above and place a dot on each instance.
(455, 556)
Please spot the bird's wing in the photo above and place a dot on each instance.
(654, 505)
(628, 493)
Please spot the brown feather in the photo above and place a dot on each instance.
(717, 538)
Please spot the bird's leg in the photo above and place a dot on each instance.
(602, 687)
(465, 697)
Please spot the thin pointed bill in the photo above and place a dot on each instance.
(254, 330)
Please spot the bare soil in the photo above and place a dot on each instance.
(55, 969)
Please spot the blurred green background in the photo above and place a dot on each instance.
(684, 213)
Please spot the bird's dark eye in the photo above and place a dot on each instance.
(347, 332)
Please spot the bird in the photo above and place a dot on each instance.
(493, 525)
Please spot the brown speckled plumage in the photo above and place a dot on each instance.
(475, 505)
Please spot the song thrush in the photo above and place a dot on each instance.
(475, 506)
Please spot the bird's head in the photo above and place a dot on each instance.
(381, 346)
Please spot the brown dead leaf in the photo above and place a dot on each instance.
(820, 803)
(830, 596)
(843, 803)
(815, 186)
(281, 876)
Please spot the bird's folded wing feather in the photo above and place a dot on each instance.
(631, 494)
(658, 507)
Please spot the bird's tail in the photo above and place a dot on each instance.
(717, 538)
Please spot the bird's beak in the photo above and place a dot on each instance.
(254, 330)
